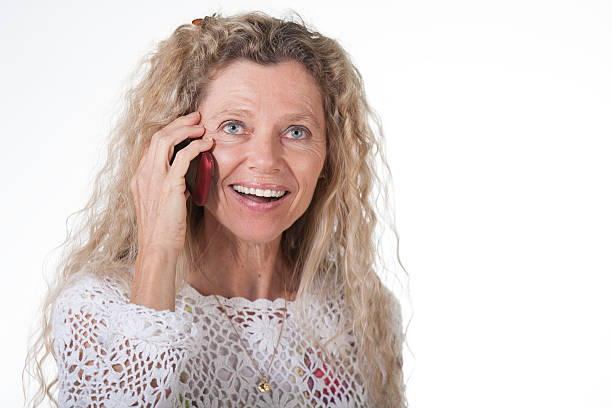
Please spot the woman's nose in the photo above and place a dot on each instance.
(264, 153)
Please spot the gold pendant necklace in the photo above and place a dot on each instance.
(263, 385)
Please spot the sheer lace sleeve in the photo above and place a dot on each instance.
(112, 353)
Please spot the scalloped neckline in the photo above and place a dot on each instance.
(261, 303)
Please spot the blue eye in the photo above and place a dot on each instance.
(234, 128)
(297, 133)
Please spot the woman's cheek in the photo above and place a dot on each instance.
(311, 151)
(307, 163)
(226, 155)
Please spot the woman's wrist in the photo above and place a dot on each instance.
(154, 279)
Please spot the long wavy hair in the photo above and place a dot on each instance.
(332, 246)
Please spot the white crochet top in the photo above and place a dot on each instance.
(112, 353)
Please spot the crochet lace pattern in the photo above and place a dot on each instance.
(112, 353)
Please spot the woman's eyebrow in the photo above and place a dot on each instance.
(303, 116)
(232, 111)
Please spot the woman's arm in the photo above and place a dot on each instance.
(114, 353)
(159, 194)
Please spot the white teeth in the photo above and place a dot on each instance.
(258, 192)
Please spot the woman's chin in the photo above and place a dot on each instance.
(256, 235)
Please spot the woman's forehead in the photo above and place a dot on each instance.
(245, 87)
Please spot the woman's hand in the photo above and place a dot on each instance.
(160, 195)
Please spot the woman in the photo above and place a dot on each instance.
(266, 295)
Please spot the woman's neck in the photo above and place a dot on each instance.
(230, 267)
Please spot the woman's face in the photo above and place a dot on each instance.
(269, 129)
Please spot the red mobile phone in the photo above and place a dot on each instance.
(199, 175)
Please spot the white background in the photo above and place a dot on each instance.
(498, 121)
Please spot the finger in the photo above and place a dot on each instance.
(185, 156)
(166, 137)
(157, 155)
(191, 119)
(164, 144)
(181, 135)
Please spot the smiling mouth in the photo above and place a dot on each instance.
(259, 195)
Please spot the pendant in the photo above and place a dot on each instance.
(263, 385)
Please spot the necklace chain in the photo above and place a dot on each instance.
(263, 385)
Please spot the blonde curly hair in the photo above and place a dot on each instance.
(332, 246)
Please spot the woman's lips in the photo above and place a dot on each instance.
(255, 203)
(260, 190)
